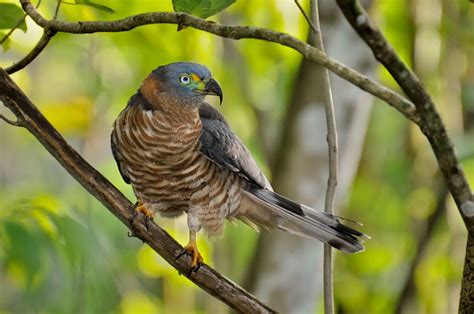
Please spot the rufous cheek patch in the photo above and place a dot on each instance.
(150, 88)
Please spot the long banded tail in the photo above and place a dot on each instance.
(269, 209)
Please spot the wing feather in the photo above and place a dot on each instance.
(222, 146)
(118, 158)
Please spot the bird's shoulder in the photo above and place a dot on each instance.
(222, 146)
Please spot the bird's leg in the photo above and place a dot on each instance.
(194, 226)
(141, 209)
(192, 248)
(198, 202)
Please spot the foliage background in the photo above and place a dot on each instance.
(60, 251)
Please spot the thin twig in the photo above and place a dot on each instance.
(333, 160)
(235, 32)
(98, 186)
(11, 122)
(44, 40)
(17, 123)
(56, 10)
(310, 23)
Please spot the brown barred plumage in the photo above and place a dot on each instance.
(179, 155)
(165, 166)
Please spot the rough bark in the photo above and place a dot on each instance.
(466, 302)
(300, 170)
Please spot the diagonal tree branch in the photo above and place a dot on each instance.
(234, 32)
(98, 186)
(432, 127)
(430, 120)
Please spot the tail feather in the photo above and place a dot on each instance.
(274, 210)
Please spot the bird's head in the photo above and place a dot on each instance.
(185, 81)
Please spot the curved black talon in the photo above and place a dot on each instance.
(184, 251)
(147, 222)
(194, 269)
(133, 217)
(191, 269)
(130, 234)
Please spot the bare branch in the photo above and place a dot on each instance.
(432, 127)
(44, 40)
(56, 10)
(331, 138)
(430, 121)
(306, 17)
(466, 301)
(234, 32)
(98, 186)
(11, 122)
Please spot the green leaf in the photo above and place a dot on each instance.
(201, 8)
(95, 5)
(23, 248)
(5, 44)
(10, 15)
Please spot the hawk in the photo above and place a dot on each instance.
(180, 156)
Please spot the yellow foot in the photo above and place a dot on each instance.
(141, 209)
(197, 259)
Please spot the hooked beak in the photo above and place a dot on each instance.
(213, 88)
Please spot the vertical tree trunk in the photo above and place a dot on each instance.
(301, 166)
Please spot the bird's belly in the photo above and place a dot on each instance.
(166, 168)
(168, 188)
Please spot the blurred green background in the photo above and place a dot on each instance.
(62, 252)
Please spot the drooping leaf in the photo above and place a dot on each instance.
(201, 8)
(10, 15)
(95, 5)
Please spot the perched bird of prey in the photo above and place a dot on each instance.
(180, 155)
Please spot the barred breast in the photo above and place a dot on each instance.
(159, 154)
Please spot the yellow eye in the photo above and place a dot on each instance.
(185, 79)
